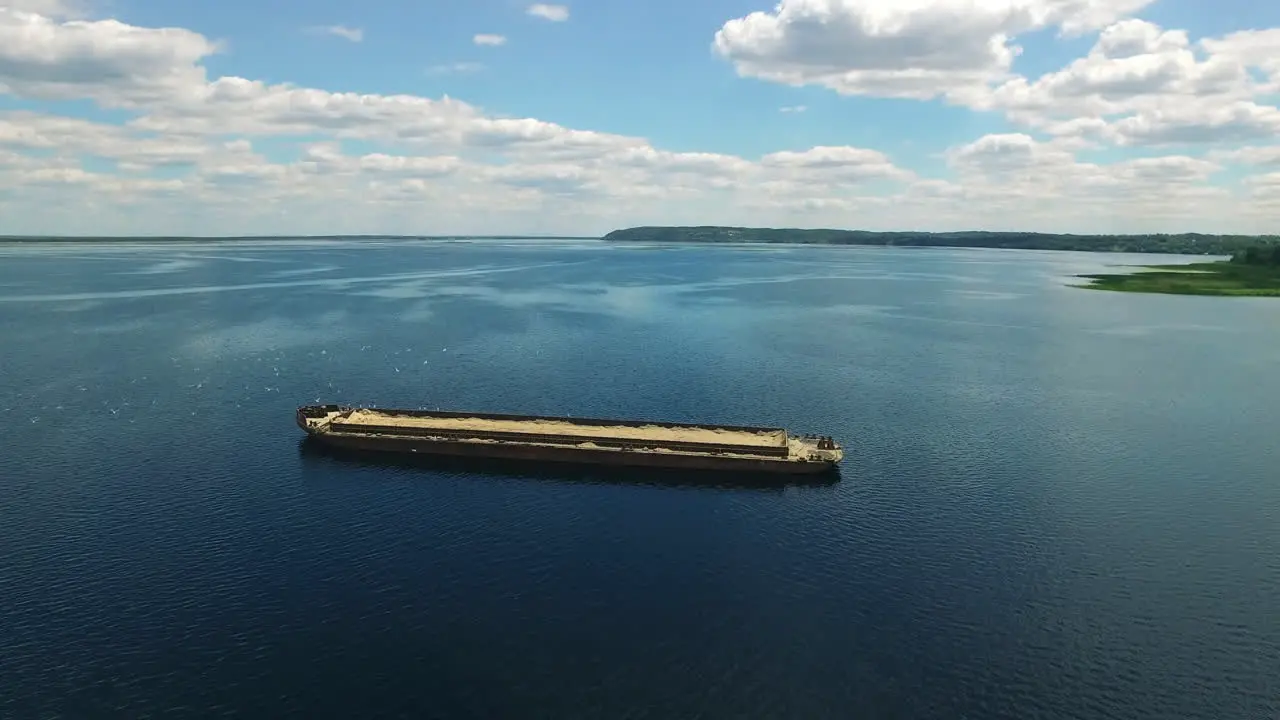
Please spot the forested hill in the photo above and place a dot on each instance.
(1187, 243)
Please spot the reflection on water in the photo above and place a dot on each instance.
(335, 283)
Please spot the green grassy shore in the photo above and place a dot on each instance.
(1231, 278)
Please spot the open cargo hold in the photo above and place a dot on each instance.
(567, 439)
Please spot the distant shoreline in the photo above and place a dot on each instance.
(1181, 244)
(251, 238)
(1177, 244)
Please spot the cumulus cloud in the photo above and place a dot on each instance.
(1014, 176)
(1251, 155)
(188, 157)
(917, 49)
(446, 149)
(836, 164)
(238, 105)
(1255, 48)
(554, 13)
(1134, 67)
(106, 60)
(73, 137)
(1140, 84)
(1046, 169)
(328, 158)
(1004, 152)
(1235, 122)
(488, 39)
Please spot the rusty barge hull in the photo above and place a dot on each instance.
(570, 440)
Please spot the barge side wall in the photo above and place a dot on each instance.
(572, 454)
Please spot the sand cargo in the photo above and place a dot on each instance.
(568, 439)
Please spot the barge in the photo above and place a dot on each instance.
(569, 439)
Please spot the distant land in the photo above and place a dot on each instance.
(250, 238)
(1255, 271)
(1184, 244)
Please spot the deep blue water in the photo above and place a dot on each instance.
(1056, 503)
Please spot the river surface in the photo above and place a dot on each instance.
(1056, 502)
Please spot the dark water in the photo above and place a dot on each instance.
(1056, 503)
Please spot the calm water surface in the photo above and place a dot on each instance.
(1056, 503)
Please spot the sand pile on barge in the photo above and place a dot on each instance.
(567, 439)
(658, 433)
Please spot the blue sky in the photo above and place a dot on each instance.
(1056, 115)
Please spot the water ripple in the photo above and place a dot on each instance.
(1038, 517)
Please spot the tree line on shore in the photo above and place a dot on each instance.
(1183, 243)
(1264, 255)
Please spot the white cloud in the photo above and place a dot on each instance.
(59, 176)
(1250, 155)
(709, 165)
(1139, 85)
(1021, 164)
(455, 68)
(1022, 183)
(1005, 186)
(1135, 68)
(189, 159)
(105, 60)
(892, 48)
(1179, 169)
(329, 160)
(835, 164)
(487, 39)
(554, 13)
(47, 8)
(1256, 48)
(1143, 85)
(346, 33)
(1004, 152)
(792, 109)
(1267, 184)
(1196, 123)
(237, 105)
(72, 138)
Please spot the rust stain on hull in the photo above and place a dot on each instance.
(575, 440)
